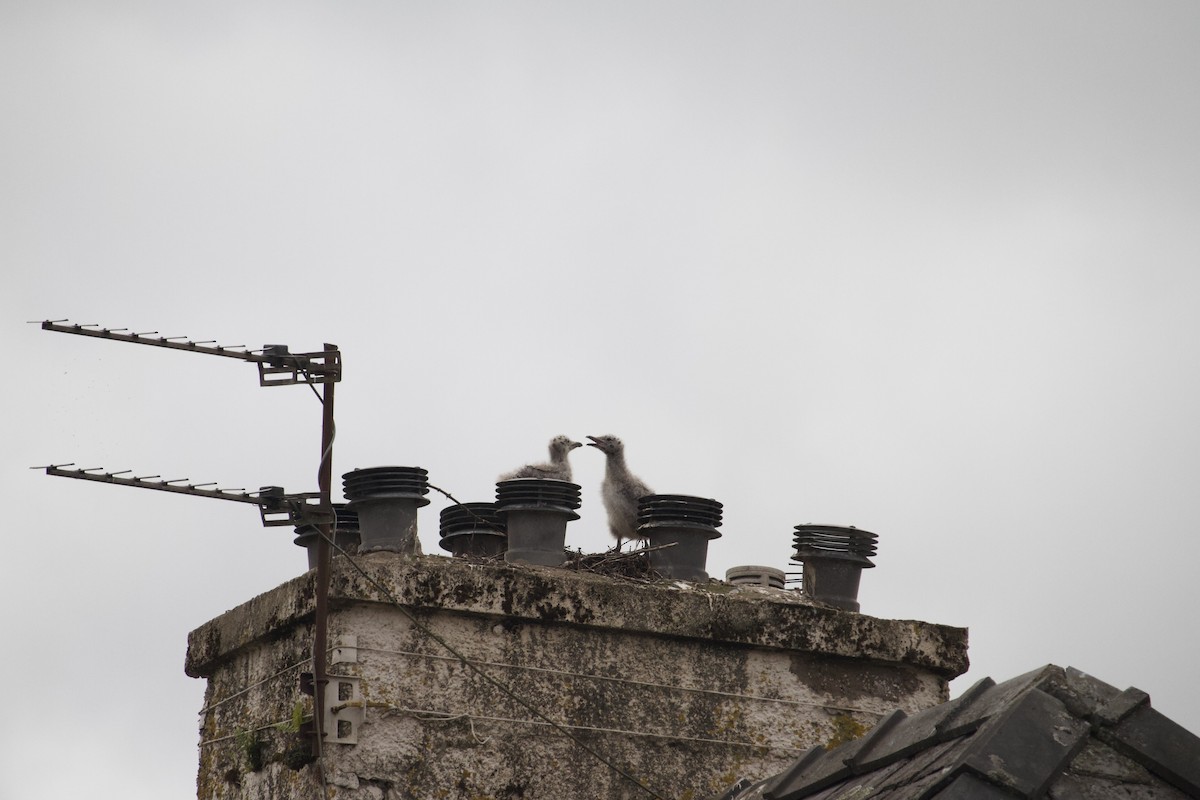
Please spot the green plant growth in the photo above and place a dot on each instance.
(293, 724)
(253, 748)
(298, 752)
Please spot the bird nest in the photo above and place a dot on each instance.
(614, 563)
(632, 564)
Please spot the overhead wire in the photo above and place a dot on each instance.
(633, 682)
(219, 739)
(245, 689)
(566, 673)
(434, 715)
(431, 634)
(331, 513)
(564, 730)
(483, 674)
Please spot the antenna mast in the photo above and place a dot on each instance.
(277, 366)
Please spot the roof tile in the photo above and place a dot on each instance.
(1049, 730)
(966, 786)
(949, 720)
(1164, 747)
(1121, 706)
(1025, 746)
(912, 734)
(794, 774)
(1082, 693)
(906, 779)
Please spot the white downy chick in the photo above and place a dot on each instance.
(620, 489)
(558, 468)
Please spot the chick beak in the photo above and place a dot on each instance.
(594, 441)
(574, 445)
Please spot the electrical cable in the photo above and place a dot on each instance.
(204, 742)
(246, 689)
(433, 715)
(648, 684)
(461, 505)
(417, 623)
(481, 673)
(446, 716)
(326, 457)
(567, 673)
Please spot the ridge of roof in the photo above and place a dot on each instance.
(1006, 740)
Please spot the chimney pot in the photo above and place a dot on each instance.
(686, 523)
(833, 558)
(345, 534)
(386, 500)
(472, 529)
(536, 512)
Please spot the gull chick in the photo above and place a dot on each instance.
(620, 489)
(558, 468)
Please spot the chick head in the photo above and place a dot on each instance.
(607, 444)
(561, 445)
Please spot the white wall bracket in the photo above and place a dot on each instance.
(344, 709)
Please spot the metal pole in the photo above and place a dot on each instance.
(321, 624)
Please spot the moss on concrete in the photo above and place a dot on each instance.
(511, 593)
(686, 686)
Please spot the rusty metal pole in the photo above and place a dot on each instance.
(321, 623)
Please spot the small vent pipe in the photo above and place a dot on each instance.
(386, 500)
(472, 529)
(834, 558)
(753, 575)
(686, 524)
(536, 512)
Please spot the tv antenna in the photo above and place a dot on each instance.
(277, 366)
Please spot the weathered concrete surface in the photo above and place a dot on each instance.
(684, 686)
(711, 612)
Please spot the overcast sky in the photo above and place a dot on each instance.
(931, 269)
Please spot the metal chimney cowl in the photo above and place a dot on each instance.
(536, 512)
(686, 524)
(345, 534)
(833, 558)
(472, 529)
(386, 500)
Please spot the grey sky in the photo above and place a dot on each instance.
(926, 268)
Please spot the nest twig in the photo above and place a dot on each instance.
(633, 564)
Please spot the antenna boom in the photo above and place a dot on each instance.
(276, 507)
(276, 365)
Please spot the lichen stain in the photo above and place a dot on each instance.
(1000, 772)
(845, 729)
(853, 679)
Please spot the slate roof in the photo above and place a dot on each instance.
(1053, 733)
